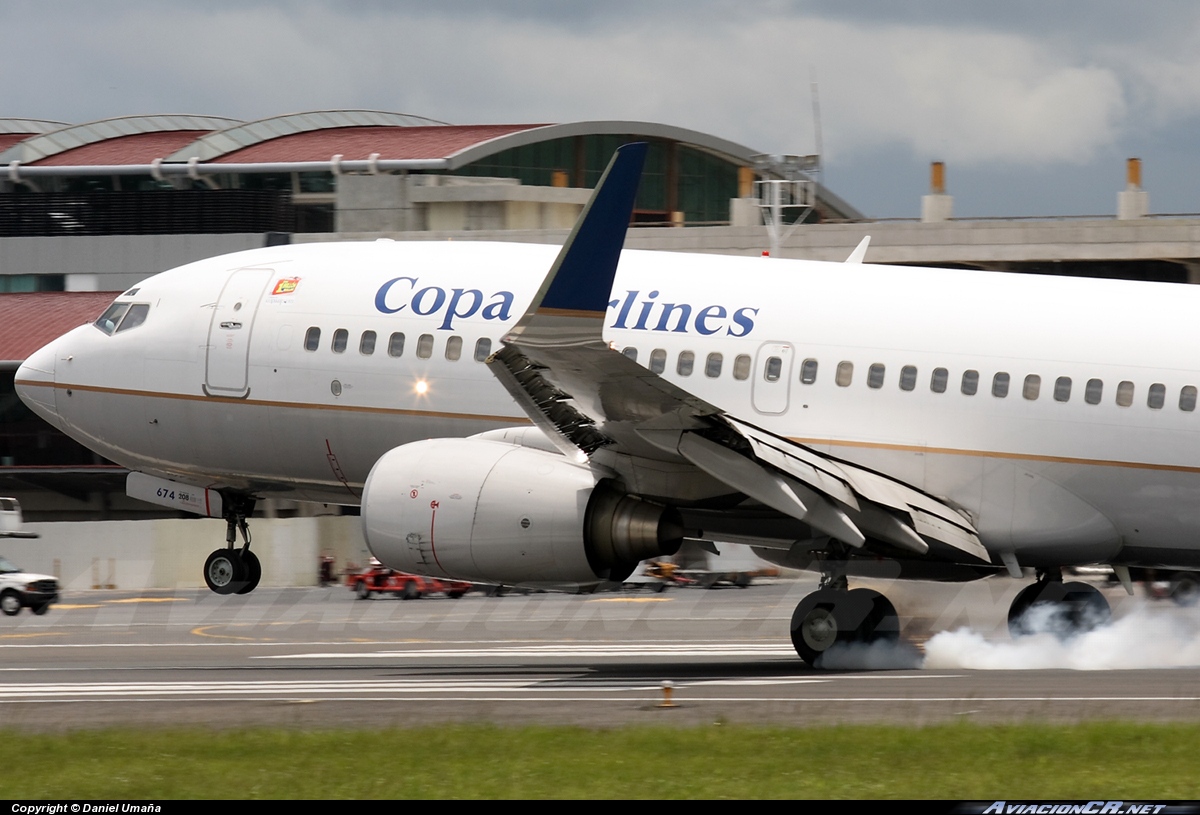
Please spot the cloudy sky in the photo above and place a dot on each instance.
(1033, 105)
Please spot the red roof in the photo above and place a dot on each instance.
(7, 140)
(356, 143)
(30, 320)
(137, 148)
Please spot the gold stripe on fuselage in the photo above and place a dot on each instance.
(231, 400)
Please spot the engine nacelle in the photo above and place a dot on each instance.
(494, 512)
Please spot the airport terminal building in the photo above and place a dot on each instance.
(88, 210)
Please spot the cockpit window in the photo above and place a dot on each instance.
(122, 317)
(111, 318)
(134, 317)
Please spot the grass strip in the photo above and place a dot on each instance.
(958, 761)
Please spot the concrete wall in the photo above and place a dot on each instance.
(169, 554)
(113, 262)
(984, 243)
(398, 204)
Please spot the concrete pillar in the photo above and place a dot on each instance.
(745, 212)
(937, 206)
(1133, 202)
(372, 203)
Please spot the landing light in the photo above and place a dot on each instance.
(422, 387)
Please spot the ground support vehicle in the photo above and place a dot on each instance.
(20, 589)
(381, 580)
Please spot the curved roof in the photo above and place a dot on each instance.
(532, 135)
(56, 142)
(360, 142)
(28, 126)
(13, 131)
(246, 134)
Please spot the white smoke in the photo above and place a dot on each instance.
(884, 655)
(1141, 639)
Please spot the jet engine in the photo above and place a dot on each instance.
(494, 512)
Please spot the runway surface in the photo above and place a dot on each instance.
(319, 657)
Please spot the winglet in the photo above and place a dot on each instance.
(860, 251)
(582, 275)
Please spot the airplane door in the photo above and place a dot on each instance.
(226, 368)
(772, 377)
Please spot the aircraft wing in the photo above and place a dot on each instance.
(595, 403)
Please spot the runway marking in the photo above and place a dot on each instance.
(74, 607)
(540, 689)
(202, 631)
(626, 650)
(31, 636)
(145, 600)
(630, 600)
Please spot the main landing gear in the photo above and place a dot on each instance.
(232, 570)
(1062, 609)
(836, 615)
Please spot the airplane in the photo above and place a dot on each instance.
(498, 422)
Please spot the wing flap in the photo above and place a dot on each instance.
(886, 508)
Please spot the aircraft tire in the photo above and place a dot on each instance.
(253, 568)
(224, 572)
(829, 617)
(1069, 609)
(1185, 589)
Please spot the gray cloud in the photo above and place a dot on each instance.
(1003, 92)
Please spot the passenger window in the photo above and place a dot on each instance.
(687, 361)
(1032, 388)
(111, 317)
(312, 339)
(366, 345)
(630, 351)
(970, 382)
(908, 377)
(1000, 385)
(1062, 389)
(454, 349)
(483, 350)
(1187, 398)
(340, 338)
(772, 369)
(712, 365)
(875, 375)
(425, 346)
(658, 360)
(396, 345)
(1157, 396)
(741, 367)
(135, 317)
(808, 371)
(844, 375)
(1093, 392)
(939, 380)
(1125, 394)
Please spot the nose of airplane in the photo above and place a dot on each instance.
(35, 383)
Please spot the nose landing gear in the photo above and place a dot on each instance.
(231, 570)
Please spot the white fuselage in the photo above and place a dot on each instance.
(922, 374)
